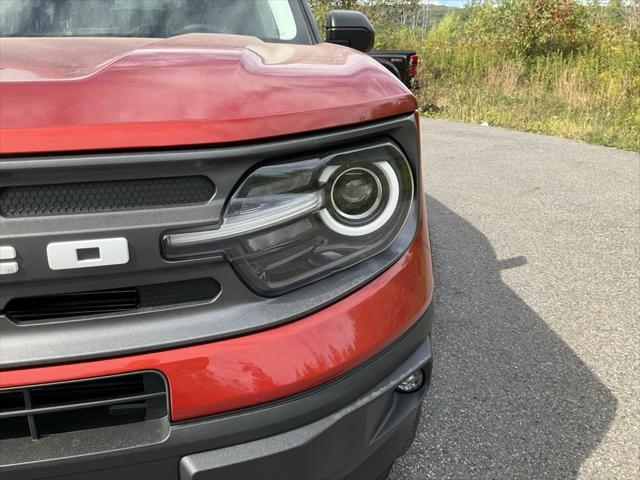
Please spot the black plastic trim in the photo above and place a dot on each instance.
(79, 405)
(105, 196)
(94, 303)
(59, 414)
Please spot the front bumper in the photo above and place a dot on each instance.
(352, 427)
(308, 371)
(357, 442)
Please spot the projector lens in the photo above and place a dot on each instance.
(356, 193)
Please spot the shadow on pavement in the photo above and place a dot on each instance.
(509, 399)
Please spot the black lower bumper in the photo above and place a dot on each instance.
(358, 441)
(352, 428)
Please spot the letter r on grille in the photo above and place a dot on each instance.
(100, 252)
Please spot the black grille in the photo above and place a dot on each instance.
(100, 302)
(40, 411)
(92, 197)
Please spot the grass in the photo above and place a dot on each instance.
(591, 95)
(507, 96)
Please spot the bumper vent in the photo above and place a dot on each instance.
(41, 411)
(102, 302)
(109, 196)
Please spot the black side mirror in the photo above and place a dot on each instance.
(351, 29)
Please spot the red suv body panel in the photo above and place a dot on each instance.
(113, 93)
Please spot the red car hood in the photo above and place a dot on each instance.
(61, 94)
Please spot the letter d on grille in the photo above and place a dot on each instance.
(88, 253)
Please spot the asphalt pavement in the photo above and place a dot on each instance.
(536, 244)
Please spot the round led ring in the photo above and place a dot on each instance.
(379, 221)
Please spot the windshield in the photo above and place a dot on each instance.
(269, 20)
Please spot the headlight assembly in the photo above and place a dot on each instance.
(289, 224)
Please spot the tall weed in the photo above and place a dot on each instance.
(580, 79)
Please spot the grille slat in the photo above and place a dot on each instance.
(31, 421)
(72, 304)
(106, 196)
(102, 302)
(80, 405)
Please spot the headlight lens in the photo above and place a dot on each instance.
(292, 223)
(356, 194)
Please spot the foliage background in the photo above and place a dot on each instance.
(559, 67)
